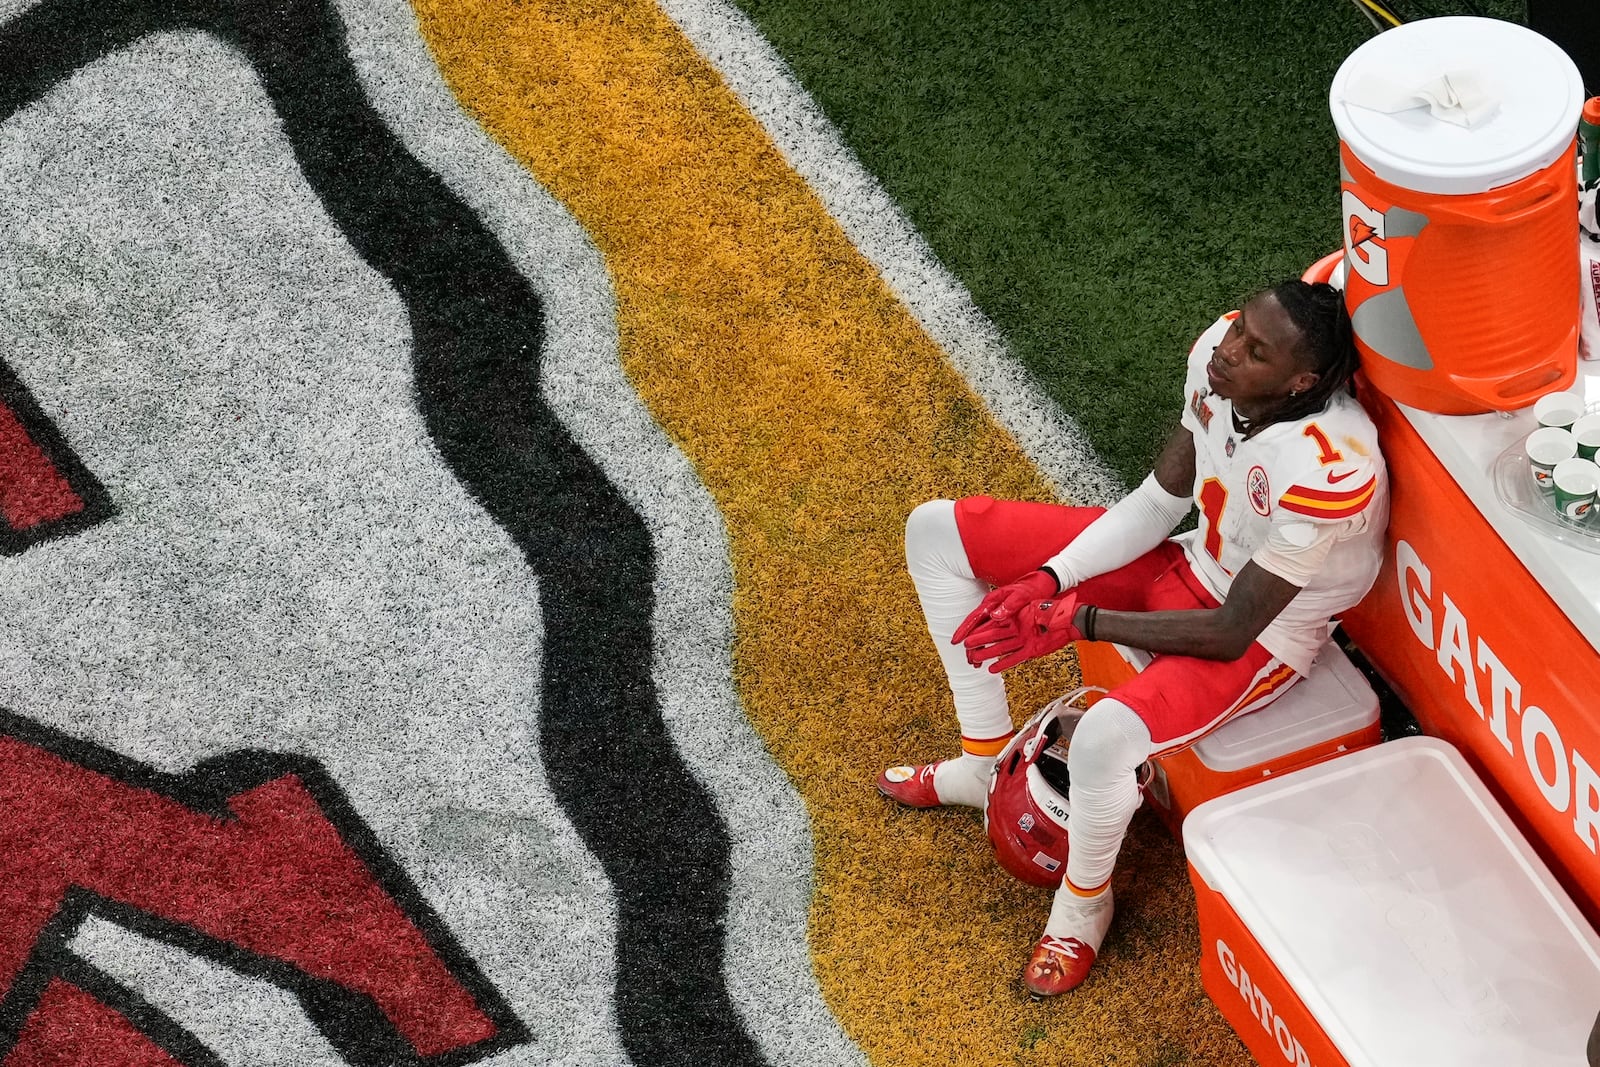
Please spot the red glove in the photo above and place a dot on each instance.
(1038, 629)
(1001, 605)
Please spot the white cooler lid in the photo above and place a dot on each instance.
(1412, 919)
(1335, 699)
(1536, 85)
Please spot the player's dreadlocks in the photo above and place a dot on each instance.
(1327, 344)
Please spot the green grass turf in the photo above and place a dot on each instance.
(1105, 178)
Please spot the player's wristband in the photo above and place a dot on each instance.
(1051, 571)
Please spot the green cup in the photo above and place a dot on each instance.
(1558, 409)
(1586, 431)
(1546, 447)
(1576, 482)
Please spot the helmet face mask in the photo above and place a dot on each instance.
(1052, 761)
(1026, 812)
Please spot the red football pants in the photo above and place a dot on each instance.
(1180, 698)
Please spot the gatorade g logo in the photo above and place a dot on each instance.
(1377, 247)
(1364, 235)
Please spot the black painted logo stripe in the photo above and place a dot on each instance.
(478, 330)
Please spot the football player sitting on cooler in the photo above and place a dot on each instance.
(1284, 466)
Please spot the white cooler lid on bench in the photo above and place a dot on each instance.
(1409, 915)
(1333, 700)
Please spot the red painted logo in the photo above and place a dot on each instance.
(256, 861)
(45, 490)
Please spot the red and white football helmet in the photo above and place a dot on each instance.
(1026, 812)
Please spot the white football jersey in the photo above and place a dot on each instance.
(1317, 486)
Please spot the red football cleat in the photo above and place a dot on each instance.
(1057, 965)
(911, 786)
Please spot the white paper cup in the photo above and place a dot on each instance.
(1546, 447)
(1558, 409)
(1576, 481)
(1586, 431)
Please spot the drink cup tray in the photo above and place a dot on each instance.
(1536, 506)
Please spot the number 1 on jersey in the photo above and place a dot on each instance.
(1213, 498)
(1329, 454)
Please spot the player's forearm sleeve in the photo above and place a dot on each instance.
(1135, 524)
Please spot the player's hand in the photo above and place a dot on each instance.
(1037, 629)
(1002, 604)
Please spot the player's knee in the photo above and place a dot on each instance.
(1108, 745)
(931, 529)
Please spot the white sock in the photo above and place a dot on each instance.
(963, 780)
(1085, 918)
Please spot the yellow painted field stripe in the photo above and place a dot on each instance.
(818, 414)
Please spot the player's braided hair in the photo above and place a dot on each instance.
(1327, 344)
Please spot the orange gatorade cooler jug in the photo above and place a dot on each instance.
(1459, 181)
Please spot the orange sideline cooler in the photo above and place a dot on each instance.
(1459, 192)
(1380, 910)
